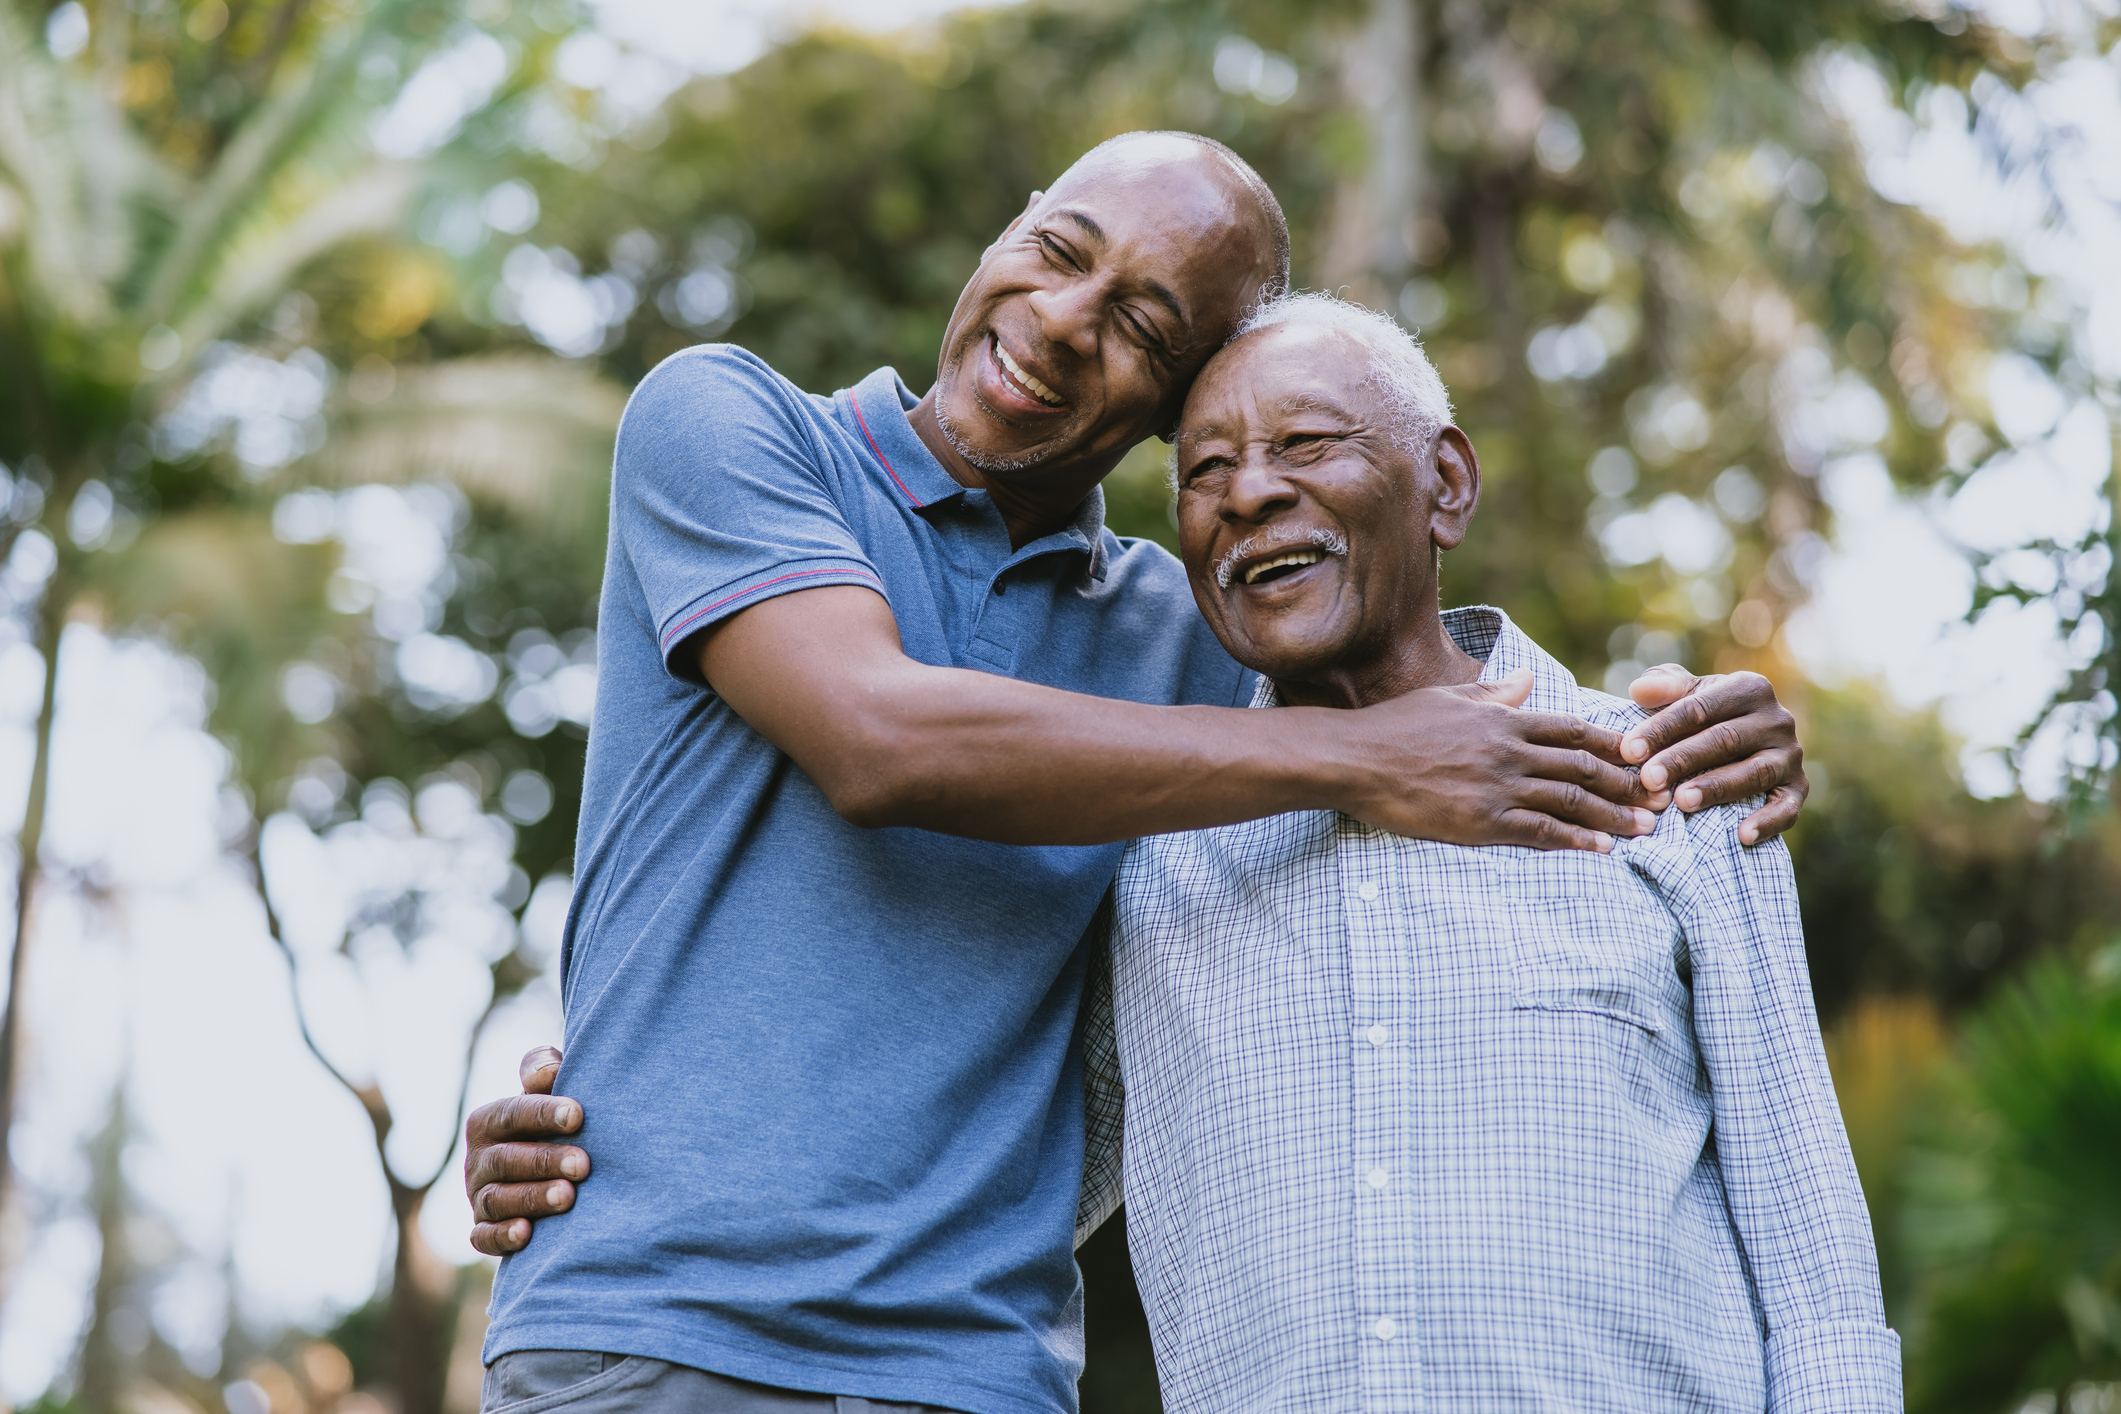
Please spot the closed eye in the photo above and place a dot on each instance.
(1058, 252)
(1307, 446)
(1147, 335)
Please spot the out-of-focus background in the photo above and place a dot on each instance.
(1789, 333)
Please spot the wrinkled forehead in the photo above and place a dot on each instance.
(1280, 373)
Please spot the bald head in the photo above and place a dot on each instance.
(1253, 200)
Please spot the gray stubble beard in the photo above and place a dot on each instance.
(985, 461)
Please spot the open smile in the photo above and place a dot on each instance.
(1020, 380)
(1281, 566)
(1271, 557)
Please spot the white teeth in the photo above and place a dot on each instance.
(1038, 390)
(1300, 557)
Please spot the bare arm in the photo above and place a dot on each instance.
(892, 741)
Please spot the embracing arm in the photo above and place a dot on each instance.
(892, 741)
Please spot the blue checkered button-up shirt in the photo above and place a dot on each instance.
(1410, 1126)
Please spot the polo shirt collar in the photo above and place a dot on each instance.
(879, 404)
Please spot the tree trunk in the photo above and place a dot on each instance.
(51, 624)
(422, 1317)
(1374, 236)
(102, 1362)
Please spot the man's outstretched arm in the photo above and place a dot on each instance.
(892, 741)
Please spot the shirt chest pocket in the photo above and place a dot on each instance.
(1588, 935)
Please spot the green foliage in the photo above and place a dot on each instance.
(2014, 1204)
(1909, 887)
(1714, 230)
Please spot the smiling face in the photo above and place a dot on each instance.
(1309, 534)
(1084, 323)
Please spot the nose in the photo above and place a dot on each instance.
(1258, 490)
(1067, 315)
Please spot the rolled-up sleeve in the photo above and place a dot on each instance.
(1790, 1180)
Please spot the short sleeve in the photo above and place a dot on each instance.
(722, 494)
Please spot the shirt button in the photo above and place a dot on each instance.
(1368, 893)
(1378, 1178)
(1385, 1328)
(1378, 1035)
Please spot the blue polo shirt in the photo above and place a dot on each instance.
(832, 1079)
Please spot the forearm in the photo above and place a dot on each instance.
(972, 753)
(892, 741)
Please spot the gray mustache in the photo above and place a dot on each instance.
(1323, 539)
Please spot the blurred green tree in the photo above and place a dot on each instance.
(1644, 250)
(2014, 1207)
(174, 182)
(1643, 246)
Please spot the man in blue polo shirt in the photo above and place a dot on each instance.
(879, 699)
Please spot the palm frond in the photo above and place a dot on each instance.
(528, 432)
(244, 170)
(33, 100)
(256, 265)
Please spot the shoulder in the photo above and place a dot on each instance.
(1602, 709)
(716, 407)
(717, 382)
(1146, 565)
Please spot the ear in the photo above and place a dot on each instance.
(1456, 489)
(1029, 207)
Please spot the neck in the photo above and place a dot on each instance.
(1423, 656)
(1043, 502)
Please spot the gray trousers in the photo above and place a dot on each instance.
(585, 1382)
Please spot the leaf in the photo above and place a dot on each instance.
(528, 432)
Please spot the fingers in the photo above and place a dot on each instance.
(1720, 698)
(1571, 802)
(1622, 803)
(500, 1239)
(1729, 761)
(1661, 686)
(1569, 733)
(1776, 815)
(500, 1202)
(1722, 738)
(523, 1117)
(1510, 691)
(539, 1068)
(1537, 830)
(523, 1163)
(1756, 775)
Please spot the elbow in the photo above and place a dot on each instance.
(870, 800)
(873, 783)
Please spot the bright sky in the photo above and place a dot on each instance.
(246, 1147)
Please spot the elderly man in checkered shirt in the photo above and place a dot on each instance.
(1410, 1126)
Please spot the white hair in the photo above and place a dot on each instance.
(1399, 369)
